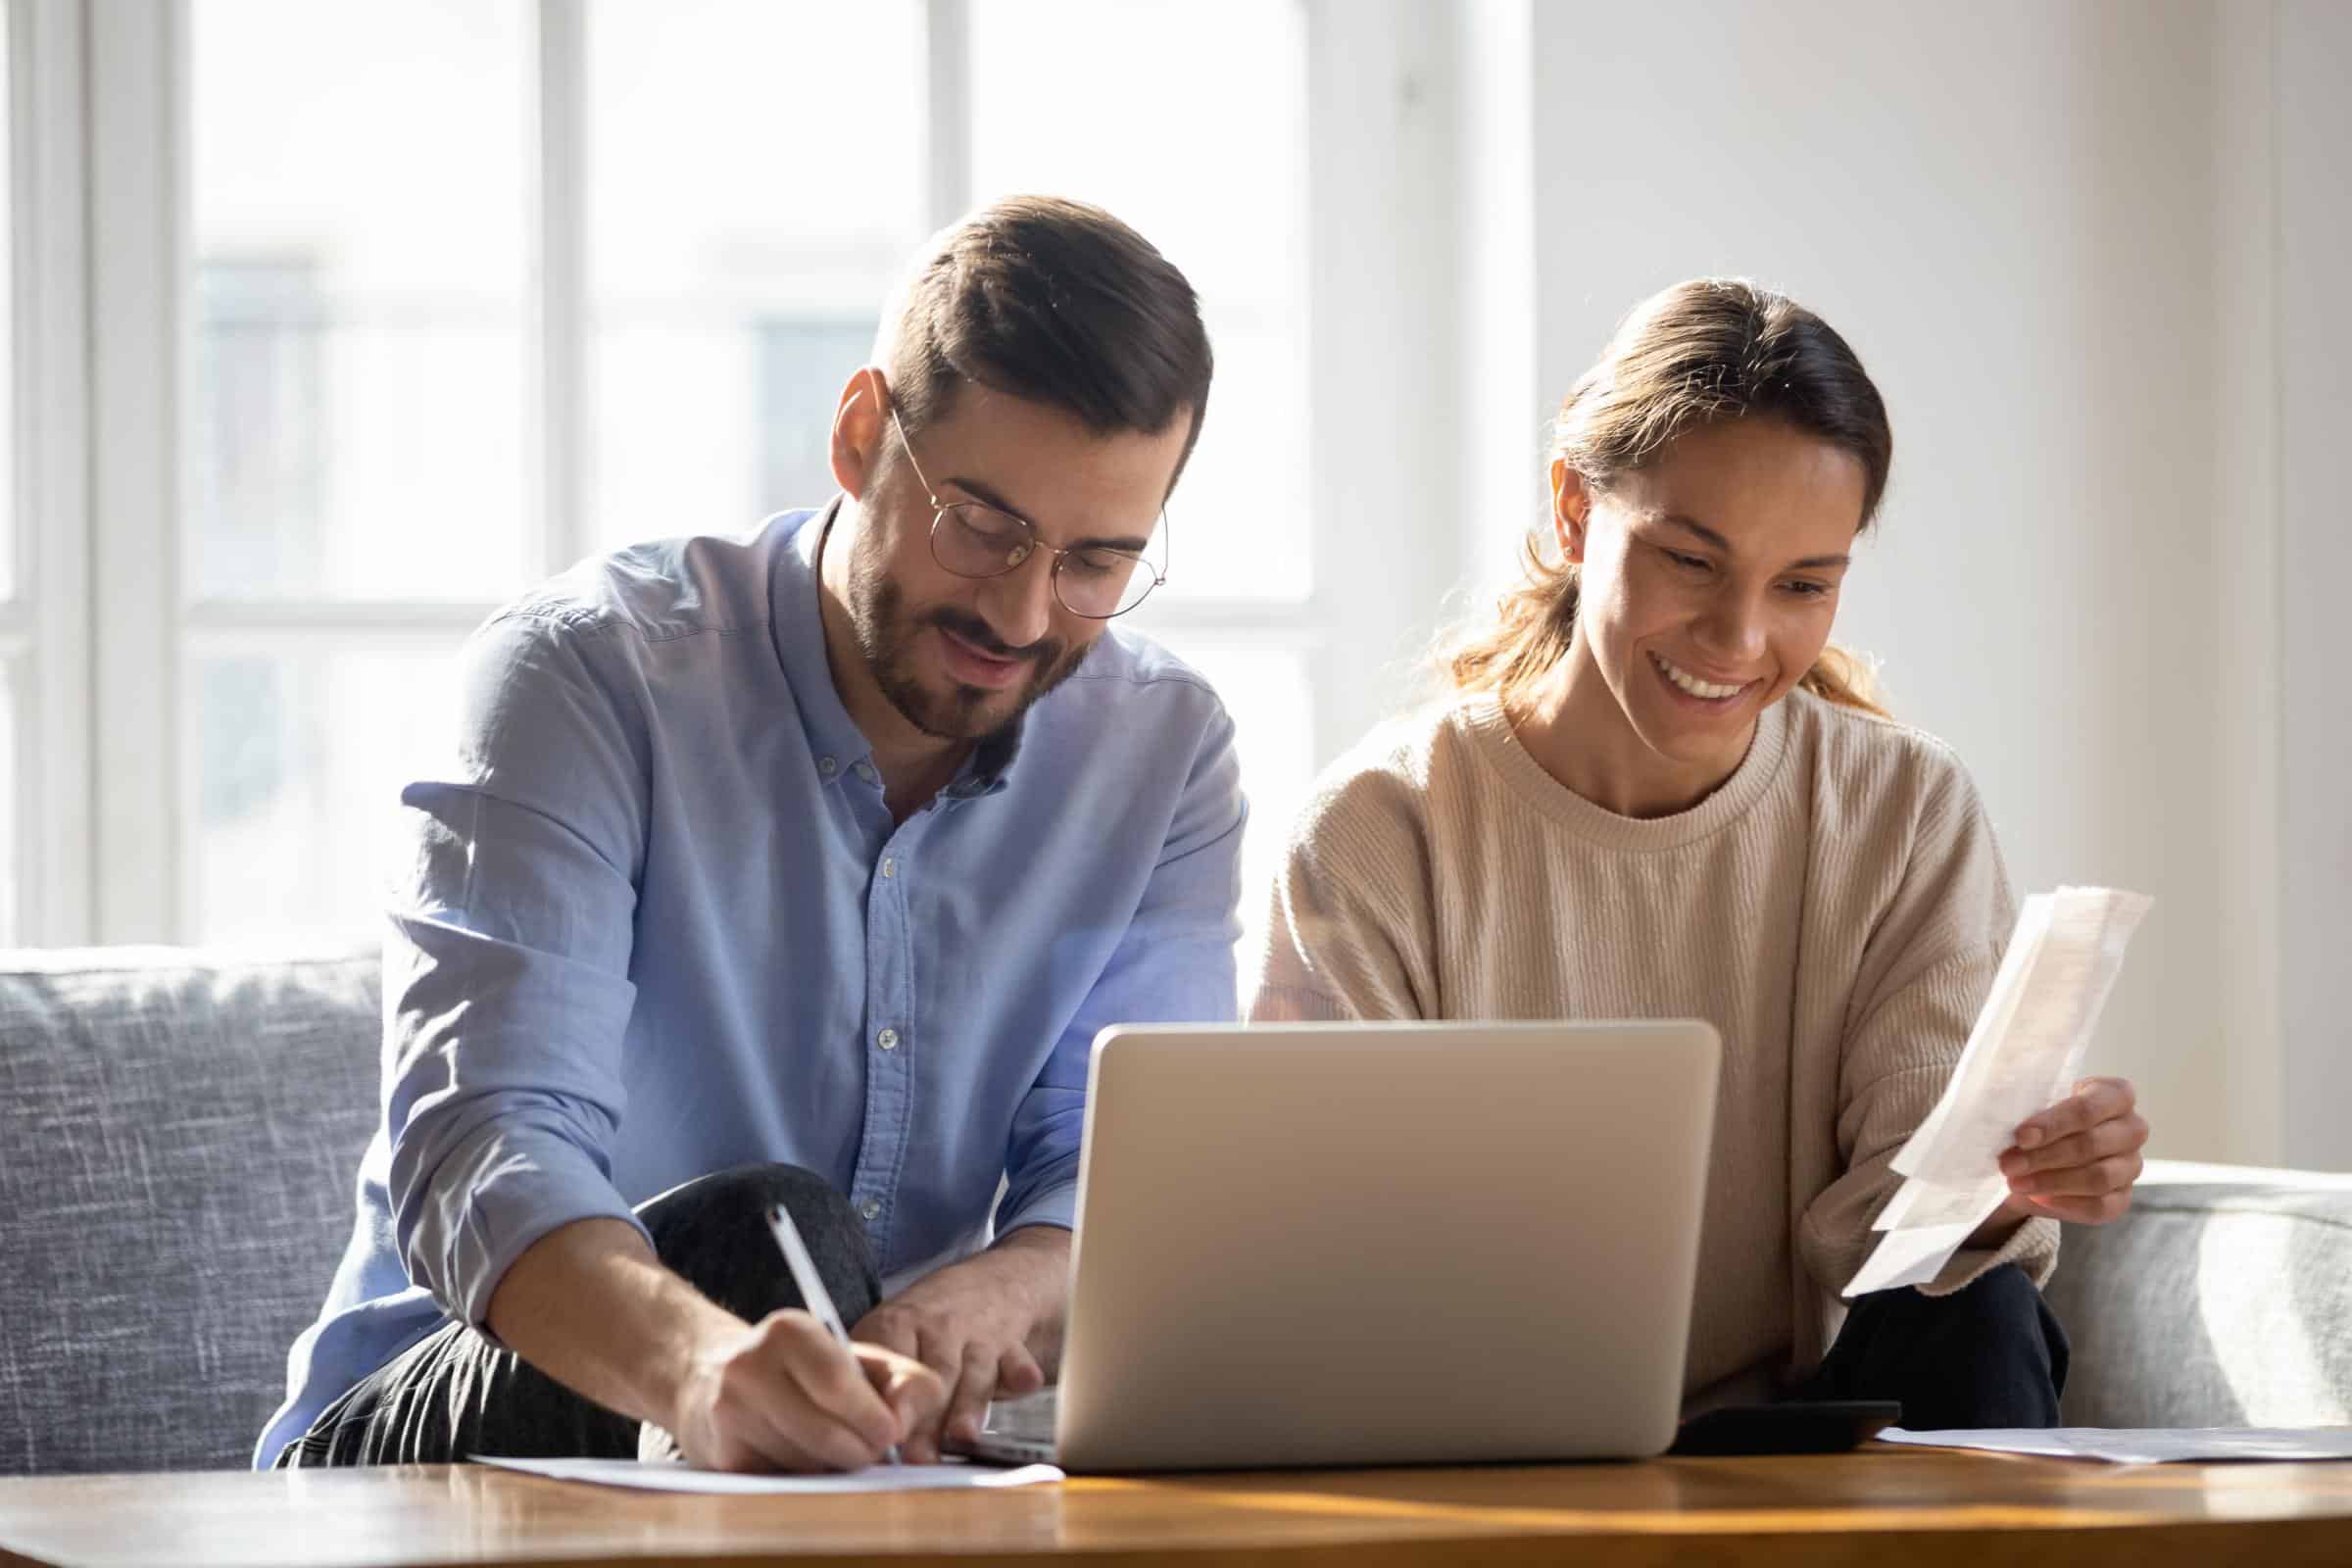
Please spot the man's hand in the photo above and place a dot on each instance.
(989, 1327)
(784, 1395)
(590, 1306)
(2074, 1162)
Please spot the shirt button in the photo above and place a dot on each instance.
(890, 866)
(888, 1040)
(870, 1208)
(866, 771)
(827, 766)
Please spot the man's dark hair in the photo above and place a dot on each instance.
(1053, 302)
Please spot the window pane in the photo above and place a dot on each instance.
(1271, 699)
(299, 759)
(1200, 142)
(750, 201)
(361, 205)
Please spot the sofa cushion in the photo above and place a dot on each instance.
(2223, 1298)
(178, 1136)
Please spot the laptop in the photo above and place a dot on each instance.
(1369, 1244)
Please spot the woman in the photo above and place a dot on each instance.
(1657, 790)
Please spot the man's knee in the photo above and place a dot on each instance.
(713, 1230)
(751, 1191)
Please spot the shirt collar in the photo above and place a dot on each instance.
(983, 772)
(797, 626)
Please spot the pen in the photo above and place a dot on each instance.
(813, 1295)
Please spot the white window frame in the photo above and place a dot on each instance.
(110, 804)
(47, 627)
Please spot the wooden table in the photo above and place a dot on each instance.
(1880, 1506)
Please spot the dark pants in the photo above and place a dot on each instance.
(1989, 1355)
(456, 1393)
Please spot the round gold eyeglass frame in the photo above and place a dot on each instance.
(1148, 576)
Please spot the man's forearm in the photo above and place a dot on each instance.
(590, 1306)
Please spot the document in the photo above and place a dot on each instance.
(656, 1475)
(2145, 1446)
(2023, 1056)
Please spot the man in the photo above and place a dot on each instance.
(799, 869)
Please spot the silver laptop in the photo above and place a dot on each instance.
(1379, 1244)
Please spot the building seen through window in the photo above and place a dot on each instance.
(410, 389)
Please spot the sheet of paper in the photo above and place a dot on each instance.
(1916, 1203)
(2146, 1445)
(1911, 1256)
(656, 1475)
(1992, 1021)
(2027, 1048)
(2023, 1054)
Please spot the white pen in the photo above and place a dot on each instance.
(811, 1287)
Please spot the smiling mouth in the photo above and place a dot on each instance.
(1707, 691)
(974, 666)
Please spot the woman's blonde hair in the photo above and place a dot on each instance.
(1706, 350)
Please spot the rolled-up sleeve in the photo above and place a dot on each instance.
(506, 987)
(1926, 974)
(1174, 964)
(1897, 1065)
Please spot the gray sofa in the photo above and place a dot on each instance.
(179, 1133)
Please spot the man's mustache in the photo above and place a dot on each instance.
(972, 629)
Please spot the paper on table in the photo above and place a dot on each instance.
(2145, 1446)
(2022, 1055)
(656, 1475)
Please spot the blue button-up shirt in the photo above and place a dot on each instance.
(657, 921)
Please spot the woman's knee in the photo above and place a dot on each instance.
(2014, 1317)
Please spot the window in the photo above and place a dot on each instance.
(358, 427)
(749, 204)
(1220, 188)
(540, 277)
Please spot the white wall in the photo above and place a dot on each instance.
(2248, 746)
(2312, 142)
(1380, 160)
(2009, 209)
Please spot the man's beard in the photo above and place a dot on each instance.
(887, 636)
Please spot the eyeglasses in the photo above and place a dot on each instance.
(974, 539)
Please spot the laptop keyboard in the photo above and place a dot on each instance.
(1027, 1419)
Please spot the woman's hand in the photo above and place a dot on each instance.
(2077, 1159)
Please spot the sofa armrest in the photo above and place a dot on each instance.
(2223, 1298)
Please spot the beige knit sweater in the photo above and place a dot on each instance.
(1836, 910)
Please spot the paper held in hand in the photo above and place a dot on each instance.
(2023, 1056)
